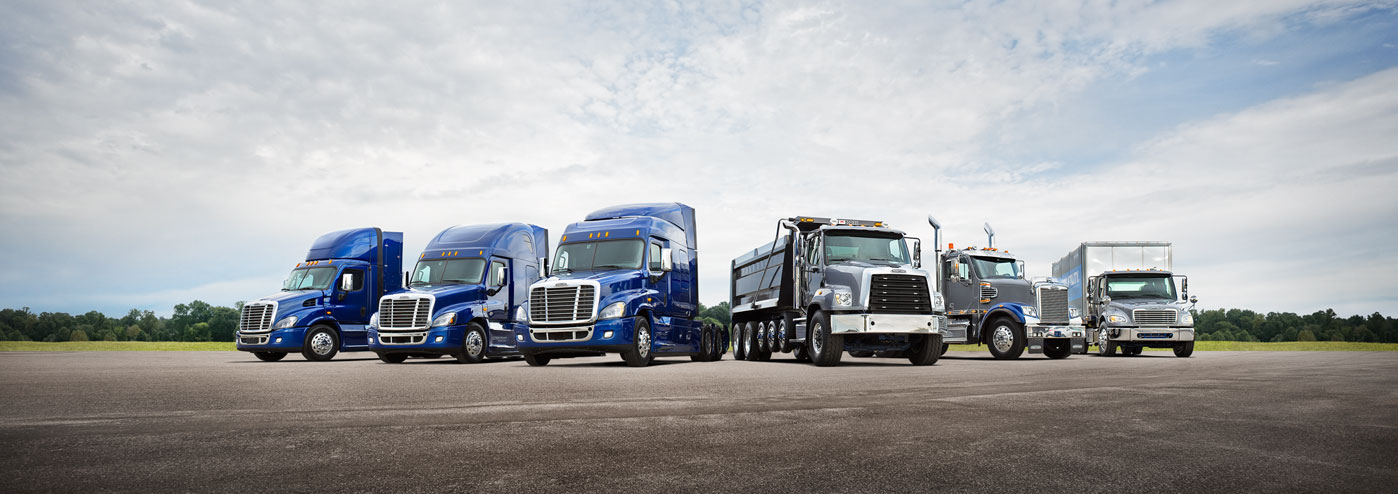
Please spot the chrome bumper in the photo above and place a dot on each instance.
(1152, 334)
(887, 323)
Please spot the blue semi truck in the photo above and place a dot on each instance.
(327, 301)
(624, 280)
(465, 297)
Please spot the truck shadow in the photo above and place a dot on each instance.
(298, 360)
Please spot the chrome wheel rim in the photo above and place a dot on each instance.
(322, 343)
(1102, 342)
(474, 343)
(643, 342)
(1004, 338)
(817, 339)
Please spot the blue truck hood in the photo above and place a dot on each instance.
(289, 303)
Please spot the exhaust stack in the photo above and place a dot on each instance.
(991, 233)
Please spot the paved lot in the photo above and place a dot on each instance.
(213, 421)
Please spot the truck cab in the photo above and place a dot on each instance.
(327, 301)
(1131, 310)
(624, 280)
(991, 301)
(465, 297)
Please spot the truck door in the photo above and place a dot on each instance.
(811, 275)
(659, 281)
(350, 306)
(961, 293)
(498, 280)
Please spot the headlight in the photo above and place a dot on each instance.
(286, 322)
(1073, 313)
(843, 299)
(1186, 318)
(613, 311)
(1116, 318)
(520, 313)
(1030, 311)
(447, 319)
(939, 303)
(374, 320)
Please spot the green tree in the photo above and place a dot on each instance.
(1305, 335)
(77, 335)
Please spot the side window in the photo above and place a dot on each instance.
(356, 279)
(964, 270)
(497, 274)
(654, 266)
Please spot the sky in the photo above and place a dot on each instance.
(161, 152)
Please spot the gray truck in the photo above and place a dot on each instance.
(991, 301)
(1127, 293)
(824, 286)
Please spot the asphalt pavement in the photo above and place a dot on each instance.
(226, 422)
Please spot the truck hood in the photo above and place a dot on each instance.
(1012, 291)
(851, 274)
(289, 303)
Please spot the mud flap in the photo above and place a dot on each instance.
(1034, 345)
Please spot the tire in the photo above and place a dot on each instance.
(802, 354)
(1184, 350)
(861, 354)
(720, 345)
(778, 337)
(536, 360)
(945, 346)
(640, 353)
(1105, 347)
(321, 344)
(393, 358)
(740, 341)
(755, 352)
(826, 347)
(1134, 351)
(473, 344)
(925, 349)
(764, 337)
(706, 340)
(1006, 339)
(1058, 349)
(269, 356)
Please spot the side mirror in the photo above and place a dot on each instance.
(1106, 300)
(1022, 274)
(1193, 300)
(667, 260)
(544, 266)
(917, 252)
(347, 282)
(499, 277)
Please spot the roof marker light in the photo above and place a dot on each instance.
(480, 253)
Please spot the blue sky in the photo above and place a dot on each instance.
(158, 153)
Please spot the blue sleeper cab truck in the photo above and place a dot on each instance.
(624, 280)
(326, 303)
(466, 296)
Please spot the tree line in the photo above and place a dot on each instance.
(200, 321)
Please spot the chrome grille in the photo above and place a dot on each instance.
(1053, 305)
(411, 313)
(899, 294)
(565, 304)
(257, 317)
(989, 291)
(1154, 317)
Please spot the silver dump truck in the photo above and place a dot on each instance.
(824, 286)
(1129, 297)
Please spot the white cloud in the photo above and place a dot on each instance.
(166, 149)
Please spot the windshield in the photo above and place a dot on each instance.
(606, 254)
(865, 246)
(318, 278)
(448, 272)
(992, 267)
(1141, 287)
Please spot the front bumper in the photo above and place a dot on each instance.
(280, 340)
(443, 340)
(1036, 334)
(605, 336)
(1139, 334)
(887, 323)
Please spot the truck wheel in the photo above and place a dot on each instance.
(740, 341)
(720, 345)
(778, 337)
(473, 344)
(945, 346)
(536, 360)
(1006, 339)
(1134, 351)
(861, 354)
(1105, 347)
(826, 347)
(705, 341)
(269, 356)
(802, 354)
(321, 344)
(925, 349)
(393, 358)
(1057, 349)
(1184, 349)
(755, 353)
(640, 353)
(764, 337)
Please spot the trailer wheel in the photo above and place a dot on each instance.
(393, 358)
(1185, 349)
(1058, 348)
(706, 340)
(740, 341)
(925, 349)
(536, 360)
(1006, 339)
(1105, 347)
(640, 353)
(473, 344)
(321, 344)
(826, 347)
(269, 356)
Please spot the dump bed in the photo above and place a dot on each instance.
(761, 278)
(1093, 258)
